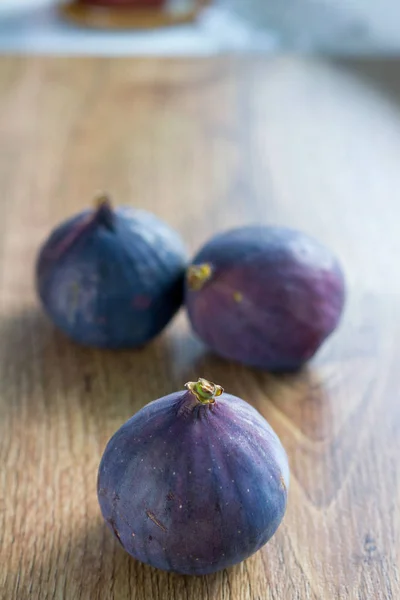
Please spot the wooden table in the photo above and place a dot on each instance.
(206, 145)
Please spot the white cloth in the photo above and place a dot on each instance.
(366, 26)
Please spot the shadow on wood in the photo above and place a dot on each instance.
(56, 375)
(379, 74)
(94, 566)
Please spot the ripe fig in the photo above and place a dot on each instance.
(112, 278)
(265, 296)
(194, 482)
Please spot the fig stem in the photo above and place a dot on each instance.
(205, 391)
(104, 214)
(198, 275)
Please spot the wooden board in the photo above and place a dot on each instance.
(206, 145)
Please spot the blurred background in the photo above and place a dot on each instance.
(356, 27)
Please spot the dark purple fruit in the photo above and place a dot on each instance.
(265, 296)
(194, 482)
(112, 278)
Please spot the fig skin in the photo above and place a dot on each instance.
(266, 297)
(111, 278)
(194, 487)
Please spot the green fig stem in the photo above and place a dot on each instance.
(198, 275)
(205, 391)
(104, 213)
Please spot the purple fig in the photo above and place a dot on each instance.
(195, 482)
(112, 278)
(265, 296)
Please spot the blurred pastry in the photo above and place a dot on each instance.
(125, 14)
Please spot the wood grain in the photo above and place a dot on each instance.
(206, 145)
